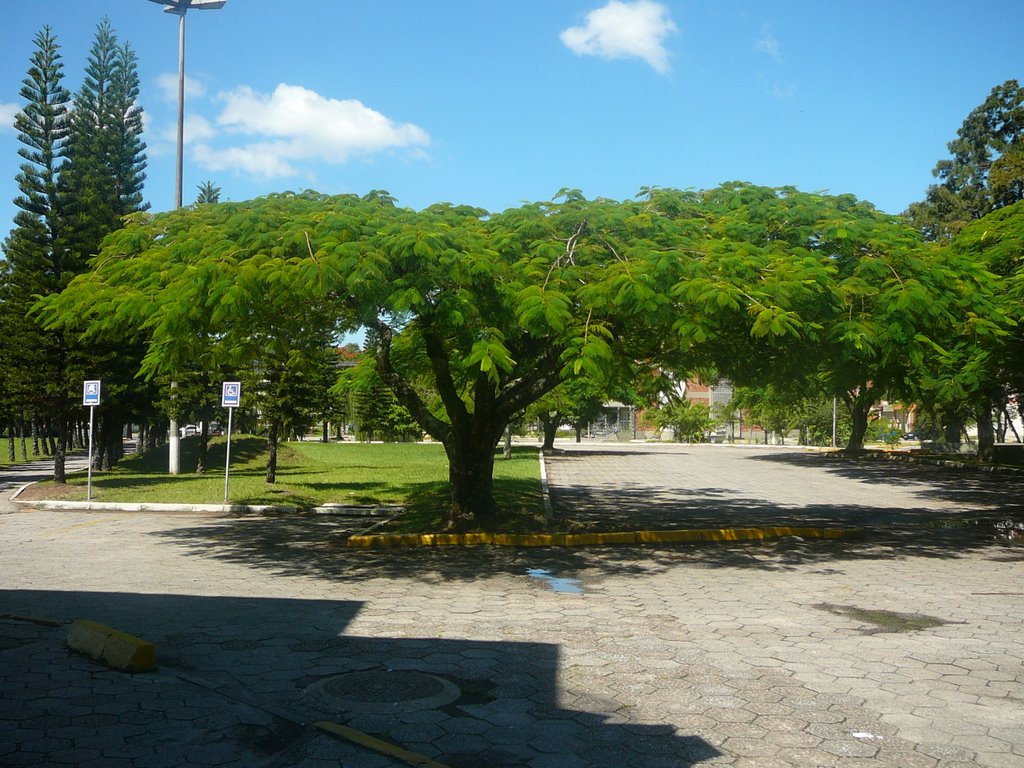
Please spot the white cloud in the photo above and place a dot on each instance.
(768, 44)
(294, 124)
(196, 129)
(7, 114)
(775, 89)
(783, 92)
(264, 160)
(621, 30)
(168, 85)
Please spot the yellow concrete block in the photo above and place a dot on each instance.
(598, 539)
(668, 537)
(381, 540)
(733, 534)
(114, 648)
(529, 539)
(471, 539)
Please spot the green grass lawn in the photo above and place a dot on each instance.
(5, 456)
(309, 474)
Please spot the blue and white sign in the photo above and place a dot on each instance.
(91, 393)
(231, 394)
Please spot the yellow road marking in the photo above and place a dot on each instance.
(371, 742)
(86, 524)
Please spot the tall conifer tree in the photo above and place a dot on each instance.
(101, 184)
(31, 359)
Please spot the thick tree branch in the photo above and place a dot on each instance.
(406, 395)
(449, 393)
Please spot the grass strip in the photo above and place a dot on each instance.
(410, 475)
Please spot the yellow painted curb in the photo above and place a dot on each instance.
(378, 745)
(669, 537)
(114, 648)
(529, 539)
(597, 539)
(685, 536)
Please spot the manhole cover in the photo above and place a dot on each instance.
(386, 691)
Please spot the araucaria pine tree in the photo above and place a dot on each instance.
(32, 360)
(83, 172)
(101, 184)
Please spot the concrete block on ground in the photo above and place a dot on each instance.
(111, 646)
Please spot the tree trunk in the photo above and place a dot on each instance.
(952, 428)
(10, 443)
(859, 406)
(60, 453)
(1009, 423)
(986, 435)
(550, 427)
(272, 452)
(470, 475)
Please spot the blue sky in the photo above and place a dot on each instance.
(494, 103)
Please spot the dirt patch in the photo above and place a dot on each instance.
(51, 491)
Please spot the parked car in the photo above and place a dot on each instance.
(911, 436)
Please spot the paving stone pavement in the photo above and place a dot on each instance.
(899, 650)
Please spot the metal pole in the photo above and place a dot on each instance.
(181, 107)
(227, 456)
(88, 491)
(174, 446)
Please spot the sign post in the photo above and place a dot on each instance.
(230, 397)
(90, 399)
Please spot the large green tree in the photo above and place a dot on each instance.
(493, 310)
(985, 170)
(816, 289)
(981, 369)
(100, 184)
(33, 362)
(473, 316)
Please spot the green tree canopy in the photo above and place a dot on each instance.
(986, 168)
(473, 316)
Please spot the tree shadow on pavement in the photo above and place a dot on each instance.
(968, 485)
(308, 545)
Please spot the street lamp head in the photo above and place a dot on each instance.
(179, 7)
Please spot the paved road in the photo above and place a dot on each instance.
(13, 476)
(642, 485)
(886, 652)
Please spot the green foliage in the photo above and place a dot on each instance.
(378, 414)
(209, 193)
(473, 317)
(689, 421)
(985, 171)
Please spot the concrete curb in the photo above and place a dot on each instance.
(108, 506)
(549, 510)
(114, 648)
(690, 536)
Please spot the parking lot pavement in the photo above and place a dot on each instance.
(615, 486)
(892, 651)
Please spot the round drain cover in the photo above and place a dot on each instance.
(386, 691)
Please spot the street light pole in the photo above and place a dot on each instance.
(180, 8)
(180, 144)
